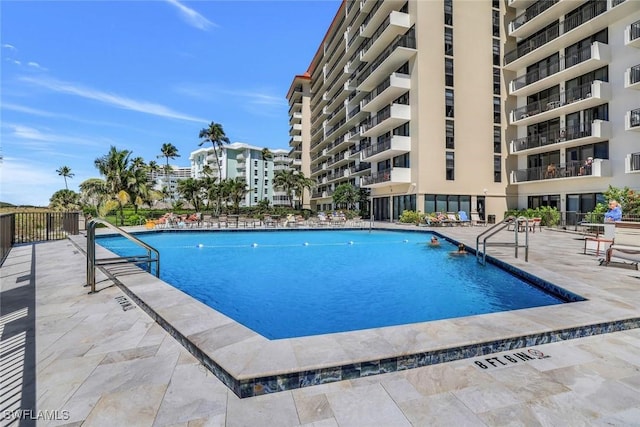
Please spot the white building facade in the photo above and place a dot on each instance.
(240, 160)
(572, 70)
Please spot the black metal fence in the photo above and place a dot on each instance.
(27, 227)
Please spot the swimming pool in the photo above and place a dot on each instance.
(298, 283)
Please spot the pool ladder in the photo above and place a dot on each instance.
(517, 223)
(151, 256)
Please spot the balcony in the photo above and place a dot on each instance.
(396, 24)
(565, 68)
(387, 177)
(397, 53)
(597, 17)
(387, 119)
(632, 78)
(386, 92)
(632, 35)
(296, 117)
(387, 148)
(597, 131)
(570, 170)
(520, 4)
(566, 102)
(360, 169)
(539, 15)
(632, 120)
(632, 163)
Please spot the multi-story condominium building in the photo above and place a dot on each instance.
(161, 179)
(239, 160)
(572, 70)
(445, 105)
(404, 98)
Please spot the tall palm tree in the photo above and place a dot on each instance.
(65, 172)
(114, 166)
(266, 156)
(303, 183)
(286, 180)
(216, 136)
(168, 151)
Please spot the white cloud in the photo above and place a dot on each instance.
(256, 102)
(46, 140)
(110, 99)
(192, 17)
(8, 46)
(35, 65)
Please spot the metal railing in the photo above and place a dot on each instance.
(518, 223)
(554, 136)
(532, 43)
(556, 100)
(93, 262)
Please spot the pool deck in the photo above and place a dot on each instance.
(102, 360)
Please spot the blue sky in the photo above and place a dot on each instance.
(80, 76)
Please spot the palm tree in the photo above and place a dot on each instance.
(93, 191)
(64, 200)
(235, 189)
(266, 156)
(114, 166)
(216, 136)
(169, 151)
(286, 180)
(303, 183)
(191, 189)
(65, 172)
(347, 195)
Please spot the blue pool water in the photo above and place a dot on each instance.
(297, 283)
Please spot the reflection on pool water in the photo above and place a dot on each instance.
(297, 283)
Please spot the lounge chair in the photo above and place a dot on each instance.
(452, 219)
(475, 219)
(626, 240)
(464, 219)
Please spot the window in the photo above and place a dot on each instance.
(448, 93)
(266, 182)
(448, 71)
(255, 172)
(449, 164)
(255, 163)
(496, 23)
(266, 173)
(449, 134)
(496, 109)
(401, 161)
(497, 169)
(446, 203)
(402, 130)
(255, 191)
(496, 81)
(497, 139)
(448, 41)
(255, 181)
(255, 200)
(496, 52)
(448, 12)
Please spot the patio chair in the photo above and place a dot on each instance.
(463, 218)
(626, 240)
(452, 219)
(475, 219)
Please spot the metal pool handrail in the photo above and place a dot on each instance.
(482, 257)
(92, 262)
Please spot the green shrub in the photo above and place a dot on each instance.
(411, 217)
